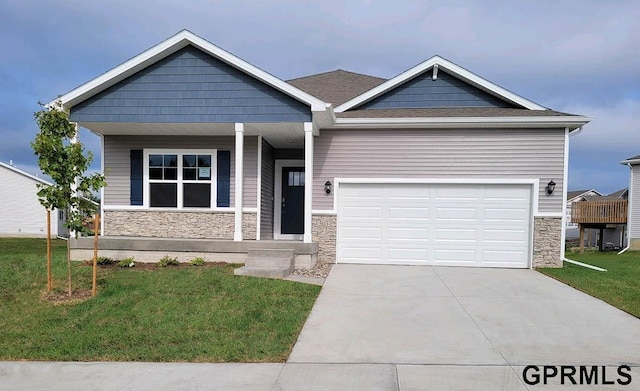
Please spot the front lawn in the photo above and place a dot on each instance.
(195, 313)
(618, 286)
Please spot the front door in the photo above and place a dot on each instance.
(292, 207)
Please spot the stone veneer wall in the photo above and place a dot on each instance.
(249, 226)
(547, 239)
(169, 224)
(635, 244)
(323, 231)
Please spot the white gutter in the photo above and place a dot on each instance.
(462, 122)
(584, 265)
(629, 194)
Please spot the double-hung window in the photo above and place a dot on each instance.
(180, 179)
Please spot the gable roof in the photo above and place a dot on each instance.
(337, 86)
(631, 160)
(170, 46)
(622, 193)
(571, 195)
(24, 173)
(435, 63)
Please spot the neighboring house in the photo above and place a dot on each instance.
(436, 166)
(633, 241)
(575, 196)
(21, 214)
(614, 234)
(602, 218)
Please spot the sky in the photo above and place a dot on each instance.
(581, 57)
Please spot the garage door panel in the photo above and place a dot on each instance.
(362, 252)
(398, 212)
(434, 224)
(456, 235)
(421, 234)
(399, 254)
(519, 236)
(362, 233)
(449, 213)
(442, 255)
(452, 193)
(364, 212)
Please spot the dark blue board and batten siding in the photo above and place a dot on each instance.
(191, 86)
(423, 93)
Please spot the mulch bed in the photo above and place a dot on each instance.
(154, 266)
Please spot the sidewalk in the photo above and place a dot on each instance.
(53, 376)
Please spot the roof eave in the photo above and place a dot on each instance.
(570, 122)
(169, 46)
(457, 70)
(630, 162)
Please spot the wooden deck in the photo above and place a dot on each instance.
(599, 212)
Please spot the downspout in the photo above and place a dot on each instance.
(629, 194)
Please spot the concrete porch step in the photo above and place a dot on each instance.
(270, 263)
(267, 272)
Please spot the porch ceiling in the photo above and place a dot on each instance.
(280, 135)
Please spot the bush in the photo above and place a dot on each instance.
(168, 261)
(127, 262)
(197, 262)
(103, 261)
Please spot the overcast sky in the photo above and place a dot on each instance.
(582, 56)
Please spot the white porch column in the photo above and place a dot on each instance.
(237, 233)
(308, 180)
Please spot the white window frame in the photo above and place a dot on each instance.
(180, 182)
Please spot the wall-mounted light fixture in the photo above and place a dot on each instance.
(328, 187)
(551, 186)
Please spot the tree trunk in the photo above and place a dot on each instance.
(49, 284)
(69, 263)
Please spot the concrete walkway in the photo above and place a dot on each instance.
(400, 328)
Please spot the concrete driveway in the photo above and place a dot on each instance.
(442, 325)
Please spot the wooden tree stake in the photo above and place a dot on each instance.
(96, 224)
(49, 284)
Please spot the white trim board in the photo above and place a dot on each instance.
(277, 198)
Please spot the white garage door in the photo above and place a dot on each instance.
(434, 224)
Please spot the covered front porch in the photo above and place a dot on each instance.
(239, 181)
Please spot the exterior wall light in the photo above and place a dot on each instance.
(328, 187)
(551, 186)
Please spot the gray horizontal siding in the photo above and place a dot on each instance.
(191, 86)
(117, 162)
(450, 153)
(424, 92)
(266, 209)
(634, 223)
(250, 177)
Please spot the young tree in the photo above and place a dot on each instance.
(63, 158)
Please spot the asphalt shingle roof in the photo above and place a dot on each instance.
(337, 86)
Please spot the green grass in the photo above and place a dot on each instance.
(196, 314)
(618, 286)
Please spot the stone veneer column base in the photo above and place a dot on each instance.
(249, 226)
(170, 224)
(547, 239)
(323, 231)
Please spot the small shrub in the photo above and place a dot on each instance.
(168, 261)
(127, 262)
(197, 262)
(103, 261)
